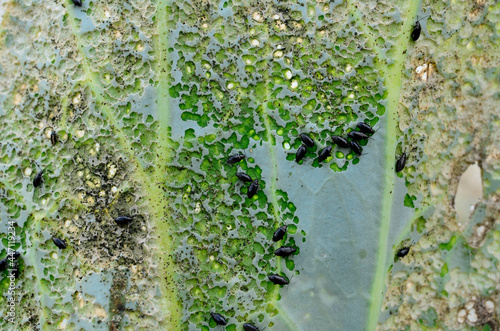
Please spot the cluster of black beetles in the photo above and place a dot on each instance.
(354, 137)
(278, 235)
(365, 131)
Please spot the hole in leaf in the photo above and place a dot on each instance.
(469, 192)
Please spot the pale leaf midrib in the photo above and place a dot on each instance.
(393, 80)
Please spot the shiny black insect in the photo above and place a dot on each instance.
(284, 251)
(244, 177)
(415, 34)
(253, 188)
(417, 29)
(38, 180)
(307, 140)
(278, 280)
(325, 152)
(280, 233)
(403, 252)
(340, 141)
(218, 319)
(77, 3)
(401, 162)
(357, 135)
(54, 138)
(122, 220)
(59, 243)
(250, 327)
(356, 147)
(3, 264)
(235, 158)
(301, 152)
(366, 128)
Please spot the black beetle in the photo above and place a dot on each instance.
(16, 254)
(38, 180)
(252, 189)
(415, 33)
(280, 233)
(401, 162)
(54, 138)
(357, 135)
(59, 243)
(77, 3)
(284, 251)
(301, 152)
(366, 128)
(340, 141)
(403, 252)
(356, 147)
(307, 140)
(325, 152)
(3, 264)
(278, 280)
(250, 327)
(122, 220)
(218, 319)
(235, 158)
(244, 177)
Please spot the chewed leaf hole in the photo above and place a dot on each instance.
(469, 192)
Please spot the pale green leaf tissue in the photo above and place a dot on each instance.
(149, 99)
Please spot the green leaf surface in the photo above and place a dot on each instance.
(149, 99)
